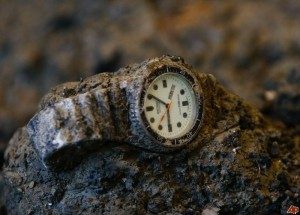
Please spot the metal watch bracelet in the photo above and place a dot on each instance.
(68, 129)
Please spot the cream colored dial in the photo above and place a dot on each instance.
(170, 106)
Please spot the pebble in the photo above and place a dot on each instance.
(31, 184)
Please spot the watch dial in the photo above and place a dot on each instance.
(170, 106)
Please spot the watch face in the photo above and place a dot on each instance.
(171, 106)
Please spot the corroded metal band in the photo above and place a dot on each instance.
(87, 119)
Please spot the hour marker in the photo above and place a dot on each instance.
(149, 108)
(160, 127)
(165, 84)
(155, 87)
(179, 124)
(184, 115)
(152, 119)
(185, 103)
(170, 128)
(171, 91)
(149, 96)
(181, 91)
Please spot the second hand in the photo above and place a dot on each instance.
(167, 109)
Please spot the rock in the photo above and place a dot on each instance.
(31, 185)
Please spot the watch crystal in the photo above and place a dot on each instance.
(170, 105)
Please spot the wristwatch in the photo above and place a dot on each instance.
(156, 105)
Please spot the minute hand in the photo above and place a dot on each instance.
(169, 120)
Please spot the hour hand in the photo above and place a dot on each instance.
(156, 98)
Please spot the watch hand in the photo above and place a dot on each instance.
(166, 111)
(168, 107)
(169, 120)
(158, 99)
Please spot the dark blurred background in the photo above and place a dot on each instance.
(252, 47)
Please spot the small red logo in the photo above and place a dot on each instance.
(293, 210)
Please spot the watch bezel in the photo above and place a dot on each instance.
(192, 80)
